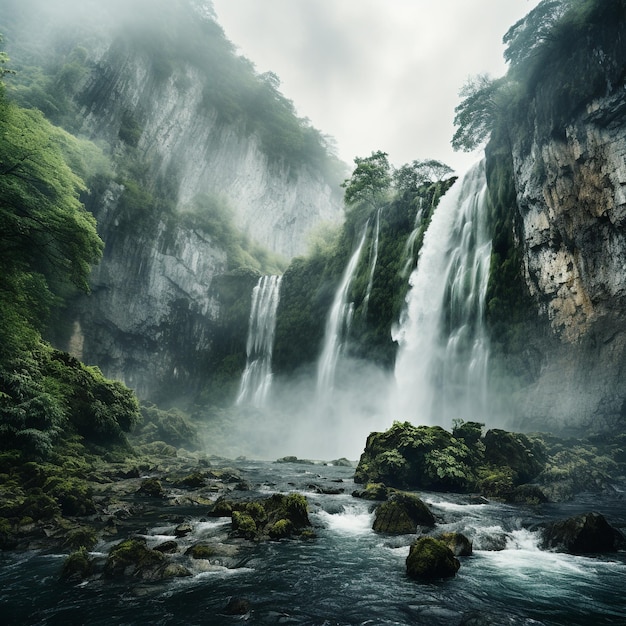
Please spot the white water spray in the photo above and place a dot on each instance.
(338, 323)
(442, 360)
(257, 377)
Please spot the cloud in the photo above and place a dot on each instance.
(376, 74)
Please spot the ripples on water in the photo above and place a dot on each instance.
(349, 575)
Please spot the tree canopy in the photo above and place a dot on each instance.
(370, 180)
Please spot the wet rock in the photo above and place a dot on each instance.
(195, 480)
(457, 542)
(429, 559)
(402, 514)
(151, 487)
(372, 491)
(495, 542)
(77, 566)
(329, 491)
(173, 570)
(527, 494)
(200, 550)
(342, 462)
(583, 534)
(516, 451)
(237, 606)
(167, 547)
(295, 459)
(183, 529)
(133, 558)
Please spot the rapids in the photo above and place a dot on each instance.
(347, 575)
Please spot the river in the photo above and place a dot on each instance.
(347, 575)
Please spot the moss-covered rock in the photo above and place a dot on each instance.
(243, 525)
(151, 487)
(132, 557)
(430, 558)
(457, 542)
(77, 566)
(583, 534)
(372, 491)
(402, 514)
(200, 550)
(514, 450)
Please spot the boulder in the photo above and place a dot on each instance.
(582, 534)
(132, 557)
(372, 491)
(402, 514)
(151, 487)
(184, 529)
(77, 566)
(430, 558)
(237, 606)
(515, 451)
(457, 542)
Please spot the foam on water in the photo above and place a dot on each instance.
(352, 520)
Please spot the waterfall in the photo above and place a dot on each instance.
(441, 366)
(257, 376)
(409, 246)
(338, 323)
(373, 261)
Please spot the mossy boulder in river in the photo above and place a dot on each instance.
(402, 514)
(429, 457)
(430, 558)
(277, 517)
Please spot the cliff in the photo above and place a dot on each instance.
(214, 180)
(567, 155)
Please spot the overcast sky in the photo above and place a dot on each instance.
(376, 74)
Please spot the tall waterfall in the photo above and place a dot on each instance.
(373, 261)
(338, 323)
(442, 359)
(257, 377)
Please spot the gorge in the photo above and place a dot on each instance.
(207, 320)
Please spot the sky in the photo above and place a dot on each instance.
(376, 74)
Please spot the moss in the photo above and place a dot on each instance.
(133, 557)
(280, 529)
(74, 496)
(151, 487)
(430, 559)
(243, 525)
(402, 514)
(200, 551)
(77, 566)
(81, 537)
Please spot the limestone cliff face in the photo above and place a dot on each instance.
(571, 194)
(169, 308)
(184, 142)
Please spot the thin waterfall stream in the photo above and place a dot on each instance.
(338, 322)
(441, 366)
(257, 376)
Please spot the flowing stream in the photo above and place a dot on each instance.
(338, 323)
(441, 366)
(257, 376)
(347, 575)
(373, 262)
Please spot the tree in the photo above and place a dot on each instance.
(411, 176)
(370, 180)
(476, 115)
(525, 36)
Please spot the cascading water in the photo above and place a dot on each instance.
(338, 323)
(442, 359)
(409, 247)
(373, 261)
(257, 376)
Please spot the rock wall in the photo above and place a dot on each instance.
(275, 203)
(571, 195)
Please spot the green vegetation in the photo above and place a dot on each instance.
(402, 201)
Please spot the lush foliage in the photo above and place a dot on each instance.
(397, 207)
